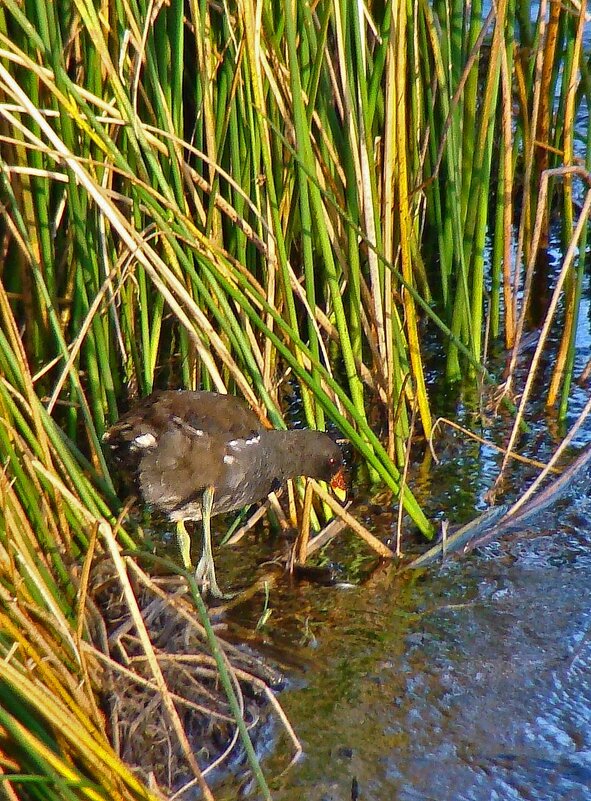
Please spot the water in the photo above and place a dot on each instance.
(468, 682)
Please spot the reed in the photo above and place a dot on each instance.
(260, 198)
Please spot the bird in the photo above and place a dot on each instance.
(195, 454)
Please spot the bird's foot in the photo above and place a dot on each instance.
(205, 578)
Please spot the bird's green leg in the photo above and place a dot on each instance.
(184, 543)
(205, 573)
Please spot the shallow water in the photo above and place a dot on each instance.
(468, 681)
(471, 681)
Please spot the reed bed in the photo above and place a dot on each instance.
(276, 200)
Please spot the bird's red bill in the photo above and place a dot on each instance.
(339, 485)
(338, 480)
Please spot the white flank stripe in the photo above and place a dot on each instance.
(236, 444)
(145, 440)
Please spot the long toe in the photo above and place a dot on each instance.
(206, 580)
(201, 571)
(214, 590)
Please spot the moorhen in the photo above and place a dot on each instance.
(197, 454)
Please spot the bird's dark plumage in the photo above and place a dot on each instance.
(189, 451)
